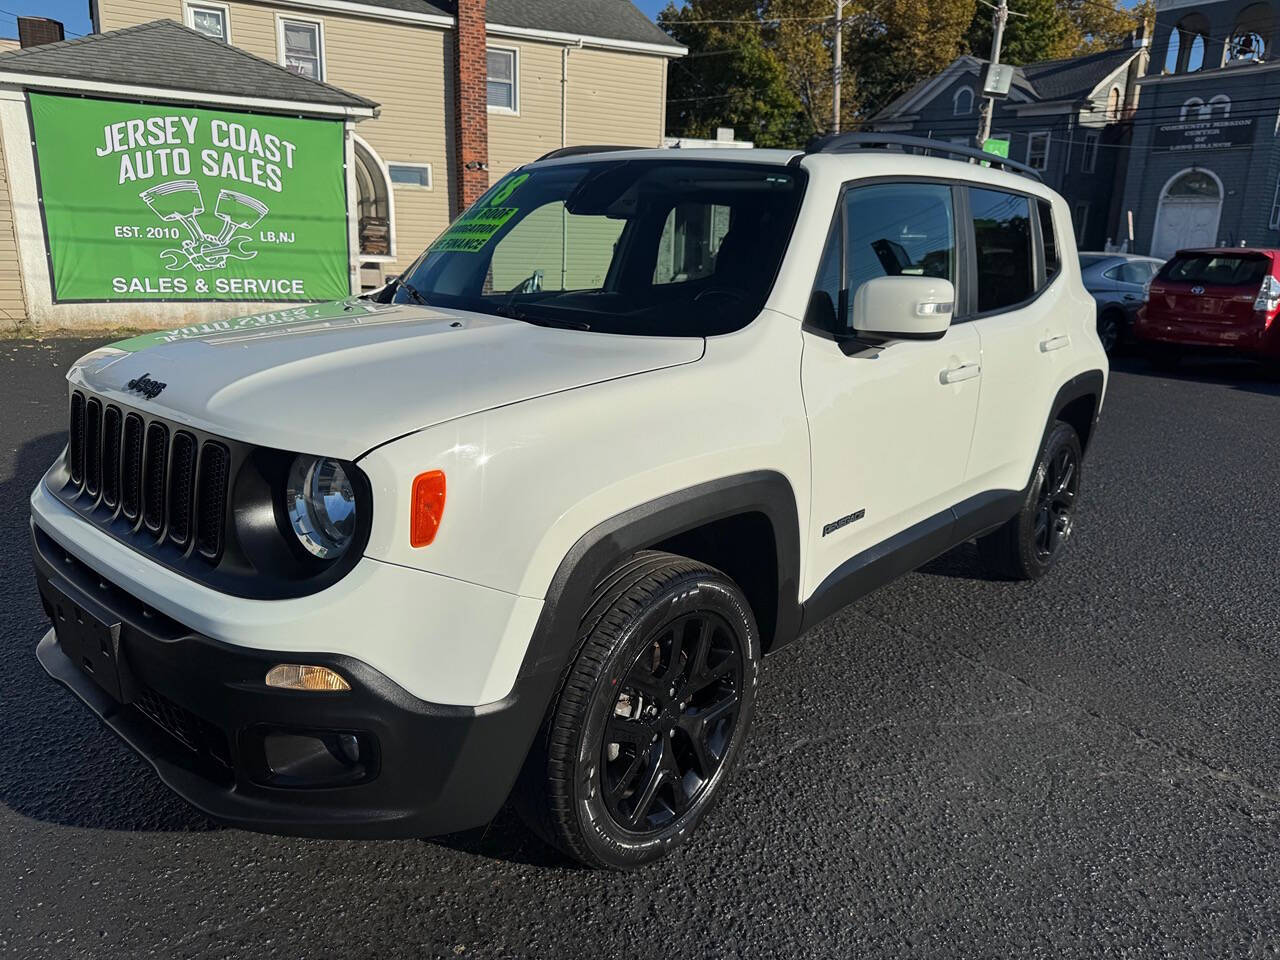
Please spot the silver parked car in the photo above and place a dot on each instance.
(1118, 282)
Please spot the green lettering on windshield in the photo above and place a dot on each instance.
(475, 228)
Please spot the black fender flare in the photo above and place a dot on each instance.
(597, 551)
(1091, 383)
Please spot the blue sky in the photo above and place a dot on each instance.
(651, 7)
(74, 14)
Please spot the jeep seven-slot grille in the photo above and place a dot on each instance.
(161, 479)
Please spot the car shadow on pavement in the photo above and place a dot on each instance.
(507, 839)
(58, 763)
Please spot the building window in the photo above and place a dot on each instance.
(1113, 104)
(502, 85)
(1275, 208)
(1191, 36)
(211, 19)
(1038, 150)
(1249, 40)
(302, 47)
(962, 102)
(1082, 220)
(1089, 158)
(410, 174)
(373, 205)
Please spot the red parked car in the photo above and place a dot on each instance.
(1221, 298)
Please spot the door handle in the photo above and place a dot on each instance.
(966, 371)
(1054, 343)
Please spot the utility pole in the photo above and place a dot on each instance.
(998, 21)
(837, 67)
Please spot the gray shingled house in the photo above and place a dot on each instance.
(1068, 119)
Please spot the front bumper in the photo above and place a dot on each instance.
(198, 710)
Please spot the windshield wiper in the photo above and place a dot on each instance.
(403, 284)
(515, 313)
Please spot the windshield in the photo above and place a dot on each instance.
(650, 247)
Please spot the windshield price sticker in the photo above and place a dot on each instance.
(475, 228)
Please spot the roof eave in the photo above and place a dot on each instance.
(33, 81)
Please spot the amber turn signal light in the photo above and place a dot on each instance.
(305, 676)
(426, 508)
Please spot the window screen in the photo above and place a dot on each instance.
(1002, 235)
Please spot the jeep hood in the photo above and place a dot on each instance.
(338, 379)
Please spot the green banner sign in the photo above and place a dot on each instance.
(153, 202)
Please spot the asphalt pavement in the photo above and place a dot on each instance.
(954, 767)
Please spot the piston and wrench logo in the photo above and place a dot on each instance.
(180, 201)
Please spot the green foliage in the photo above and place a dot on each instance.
(768, 72)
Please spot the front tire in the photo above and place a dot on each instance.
(1029, 545)
(640, 740)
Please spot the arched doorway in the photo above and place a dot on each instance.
(374, 214)
(1190, 207)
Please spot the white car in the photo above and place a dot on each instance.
(522, 523)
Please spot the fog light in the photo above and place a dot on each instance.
(302, 676)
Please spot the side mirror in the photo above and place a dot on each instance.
(903, 308)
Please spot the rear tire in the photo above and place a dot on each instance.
(641, 738)
(1030, 543)
(1110, 328)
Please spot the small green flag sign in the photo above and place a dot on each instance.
(999, 147)
(162, 202)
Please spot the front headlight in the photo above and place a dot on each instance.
(321, 505)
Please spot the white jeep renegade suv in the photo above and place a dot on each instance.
(522, 523)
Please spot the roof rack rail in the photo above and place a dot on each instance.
(585, 148)
(851, 142)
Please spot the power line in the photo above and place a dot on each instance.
(16, 15)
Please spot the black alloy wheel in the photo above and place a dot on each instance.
(652, 715)
(1033, 540)
(671, 723)
(1056, 502)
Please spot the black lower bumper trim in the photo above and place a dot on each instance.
(439, 768)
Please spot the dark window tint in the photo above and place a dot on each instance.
(1002, 235)
(898, 229)
(1216, 270)
(824, 303)
(1089, 259)
(1052, 263)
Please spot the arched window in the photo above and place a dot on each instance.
(1193, 109)
(373, 203)
(1193, 37)
(1221, 103)
(1194, 185)
(962, 102)
(1113, 104)
(1251, 35)
(1175, 48)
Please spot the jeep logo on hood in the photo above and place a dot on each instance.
(146, 386)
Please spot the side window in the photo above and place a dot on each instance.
(1049, 237)
(824, 302)
(1002, 248)
(690, 240)
(898, 229)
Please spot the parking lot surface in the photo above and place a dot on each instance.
(956, 766)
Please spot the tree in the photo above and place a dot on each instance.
(1101, 25)
(894, 44)
(1036, 30)
(731, 77)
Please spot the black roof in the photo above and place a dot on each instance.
(1072, 78)
(610, 19)
(1075, 77)
(167, 55)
